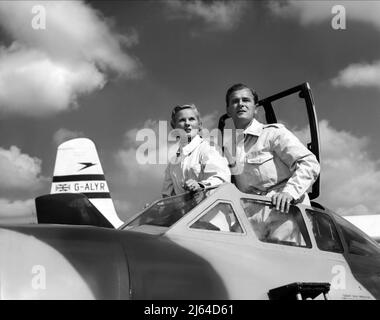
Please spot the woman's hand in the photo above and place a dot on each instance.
(192, 185)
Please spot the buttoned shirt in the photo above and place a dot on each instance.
(272, 159)
(196, 160)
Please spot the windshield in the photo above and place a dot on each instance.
(357, 241)
(166, 212)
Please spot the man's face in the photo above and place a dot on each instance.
(241, 107)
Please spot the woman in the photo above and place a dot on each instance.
(197, 164)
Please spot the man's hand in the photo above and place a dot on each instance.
(282, 201)
(192, 185)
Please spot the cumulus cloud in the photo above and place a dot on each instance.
(350, 178)
(370, 224)
(44, 71)
(356, 210)
(136, 172)
(62, 135)
(210, 120)
(149, 149)
(122, 206)
(19, 171)
(359, 75)
(217, 15)
(146, 153)
(19, 211)
(306, 11)
(311, 12)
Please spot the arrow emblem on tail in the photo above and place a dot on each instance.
(86, 165)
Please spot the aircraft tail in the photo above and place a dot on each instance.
(78, 170)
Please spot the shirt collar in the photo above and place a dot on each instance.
(189, 148)
(255, 128)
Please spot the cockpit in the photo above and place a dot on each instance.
(225, 211)
(167, 211)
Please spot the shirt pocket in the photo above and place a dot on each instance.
(262, 168)
(258, 158)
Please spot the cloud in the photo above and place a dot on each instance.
(19, 211)
(210, 120)
(45, 71)
(217, 15)
(146, 153)
(350, 178)
(149, 149)
(306, 11)
(137, 172)
(312, 12)
(62, 135)
(360, 75)
(138, 183)
(370, 224)
(359, 209)
(122, 206)
(19, 171)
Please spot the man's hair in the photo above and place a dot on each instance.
(179, 108)
(241, 86)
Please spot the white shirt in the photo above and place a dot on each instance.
(196, 160)
(273, 159)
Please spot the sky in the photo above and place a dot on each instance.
(106, 70)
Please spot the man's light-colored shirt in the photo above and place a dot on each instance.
(273, 159)
(196, 160)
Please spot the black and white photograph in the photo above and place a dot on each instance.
(188, 150)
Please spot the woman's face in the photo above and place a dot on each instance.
(187, 120)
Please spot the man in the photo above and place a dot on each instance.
(270, 160)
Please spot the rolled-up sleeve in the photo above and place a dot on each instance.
(301, 161)
(215, 170)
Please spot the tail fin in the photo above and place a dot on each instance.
(78, 170)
